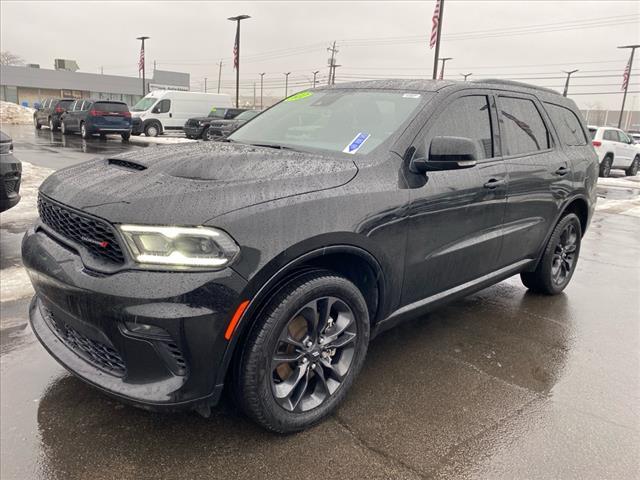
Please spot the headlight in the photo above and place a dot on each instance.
(180, 246)
(201, 123)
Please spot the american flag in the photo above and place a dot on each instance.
(235, 50)
(141, 61)
(434, 22)
(625, 76)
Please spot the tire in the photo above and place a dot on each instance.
(125, 136)
(633, 168)
(563, 247)
(259, 380)
(36, 123)
(207, 135)
(63, 129)
(83, 131)
(605, 166)
(153, 129)
(52, 125)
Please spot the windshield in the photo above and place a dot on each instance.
(247, 115)
(217, 113)
(350, 121)
(145, 104)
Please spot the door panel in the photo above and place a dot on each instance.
(539, 177)
(455, 221)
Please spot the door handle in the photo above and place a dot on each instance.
(171, 115)
(494, 183)
(562, 171)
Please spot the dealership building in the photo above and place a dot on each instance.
(31, 84)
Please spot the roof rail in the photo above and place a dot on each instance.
(499, 81)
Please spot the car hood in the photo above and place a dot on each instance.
(205, 119)
(190, 184)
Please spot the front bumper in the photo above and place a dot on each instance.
(193, 131)
(87, 321)
(137, 126)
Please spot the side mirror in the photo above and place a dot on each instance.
(449, 153)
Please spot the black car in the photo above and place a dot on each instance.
(198, 127)
(50, 111)
(91, 117)
(10, 174)
(220, 129)
(267, 262)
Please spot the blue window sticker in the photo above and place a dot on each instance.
(356, 143)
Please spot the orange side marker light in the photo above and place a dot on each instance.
(235, 319)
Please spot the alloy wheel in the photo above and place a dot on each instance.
(564, 255)
(313, 354)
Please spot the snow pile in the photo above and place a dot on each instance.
(15, 114)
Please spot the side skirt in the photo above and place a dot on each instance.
(428, 304)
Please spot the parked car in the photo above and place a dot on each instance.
(91, 117)
(10, 174)
(616, 150)
(49, 112)
(269, 261)
(163, 110)
(220, 129)
(197, 127)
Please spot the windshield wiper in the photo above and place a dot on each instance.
(273, 145)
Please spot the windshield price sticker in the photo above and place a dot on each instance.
(298, 96)
(356, 143)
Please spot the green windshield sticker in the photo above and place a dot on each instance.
(298, 96)
(213, 109)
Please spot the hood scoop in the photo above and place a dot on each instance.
(118, 162)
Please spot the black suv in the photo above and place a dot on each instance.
(220, 129)
(198, 127)
(268, 262)
(50, 111)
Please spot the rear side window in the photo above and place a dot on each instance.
(610, 135)
(111, 107)
(522, 127)
(467, 117)
(567, 124)
(592, 133)
(65, 104)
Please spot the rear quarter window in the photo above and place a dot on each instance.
(567, 125)
(522, 127)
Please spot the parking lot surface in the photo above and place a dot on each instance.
(503, 384)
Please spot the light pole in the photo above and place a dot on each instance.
(205, 84)
(444, 60)
(261, 89)
(627, 79)
(465, 75)
(314, 77)
(236, 54)
(566, 84)
(219, 74)
(286, 84)
(141, 64)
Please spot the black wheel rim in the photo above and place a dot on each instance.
(607, 169)
(313, 354)
(564, 255)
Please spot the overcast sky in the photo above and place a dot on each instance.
(529, 40)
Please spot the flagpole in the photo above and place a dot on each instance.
(236, 55)
(144, 87)
(437, 52)
(626, 83)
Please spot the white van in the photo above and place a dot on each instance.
(162, 110)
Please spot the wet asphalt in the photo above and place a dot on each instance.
(503, 384)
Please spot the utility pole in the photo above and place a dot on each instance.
(261, 89)
(314, 77)
(465, 75)
(627, 80)
(236, 54)
(141, 64)
(286, 84)
(254, 95)
(205, 84)
(443, 60)
(332, 63)
(566, 84)
(437, 52)
(219, 74)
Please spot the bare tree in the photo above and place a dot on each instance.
(8, 58)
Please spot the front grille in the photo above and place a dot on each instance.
(96, 235)
(97, 353)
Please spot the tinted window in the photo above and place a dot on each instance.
(46, 103)
(162, 107)
(467, 117)
(112, 106)
(522, 127)
(610, 135)
(65, 103)
(592, 133)
(567, 125)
